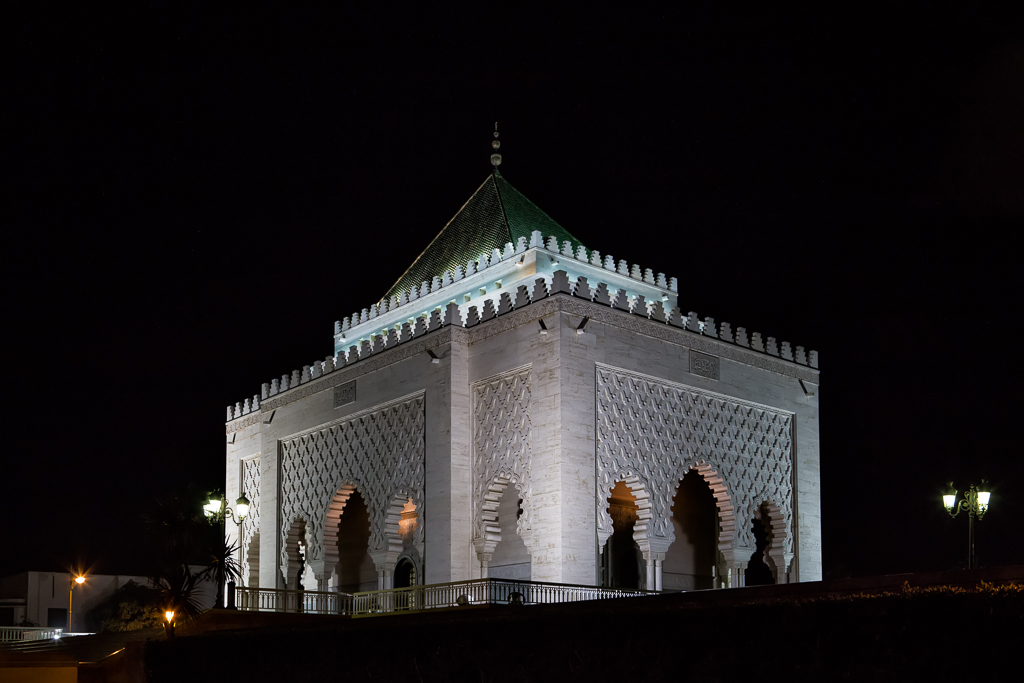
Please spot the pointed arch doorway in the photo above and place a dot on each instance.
(622, 563)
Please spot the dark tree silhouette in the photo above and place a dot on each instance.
(181, 538)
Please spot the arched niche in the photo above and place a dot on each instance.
(501, 541)
(691, 558)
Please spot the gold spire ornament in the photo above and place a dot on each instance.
(495, 158)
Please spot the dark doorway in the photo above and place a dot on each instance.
(690, 560)
(356, 571)
(621, 559)
(405, 574)
(758, 572)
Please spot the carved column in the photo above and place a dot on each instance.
(782, 561)
(322, 573)
(734, 566)
(653, 547)
(384, 561)
(655, 560)
(485, 559)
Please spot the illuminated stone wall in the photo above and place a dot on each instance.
(556, 413)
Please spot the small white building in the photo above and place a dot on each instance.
(520, 405)
(43, 598)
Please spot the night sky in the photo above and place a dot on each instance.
(193, 197)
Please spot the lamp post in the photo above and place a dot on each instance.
(71, 596)
(169, 624)
(975, 503)
(217, 512)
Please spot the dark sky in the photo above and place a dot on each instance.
(195, 196)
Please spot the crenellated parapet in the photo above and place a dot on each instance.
(480, 279)
(508, 300)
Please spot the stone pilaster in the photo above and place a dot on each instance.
(270, 522)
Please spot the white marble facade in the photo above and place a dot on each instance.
(499, 418)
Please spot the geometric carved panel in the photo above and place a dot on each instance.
(251, 523)
(501, 440)
(658, 430)
(379, 451)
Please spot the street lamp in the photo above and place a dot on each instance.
(71, 596)
(217, 511)
(169, 624)
(975, 502)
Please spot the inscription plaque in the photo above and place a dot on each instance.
(704, 365)
(345, 394)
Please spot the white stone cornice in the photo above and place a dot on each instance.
(383, 359)
(640, 325)
(521, 316)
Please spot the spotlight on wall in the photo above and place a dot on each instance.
(543, 327)
(433, 358)
(583, 324)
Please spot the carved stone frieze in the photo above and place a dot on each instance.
(502, 456)
(347, 373)
(640, 325)
(658, 430)
(379, 451)
(521, 316)
(251, 490)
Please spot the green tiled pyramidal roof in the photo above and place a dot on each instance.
(497, 213)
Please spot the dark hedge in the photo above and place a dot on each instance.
(915, 634)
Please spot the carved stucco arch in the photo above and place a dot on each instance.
(488, 533)
(659, 430)
(502, 430)
(297, 533)
(251, 565)
(644, 511)
(379, 451)
(778, 536)
(385, 555)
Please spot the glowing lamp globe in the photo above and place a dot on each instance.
(212, 505)
(242, 507)
(79, 580)
(983, 498)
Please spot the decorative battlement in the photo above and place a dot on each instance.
(471, 285)
(541, 287)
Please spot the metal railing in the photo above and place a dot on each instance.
(18, 634)
(481, 592)
(295, 601)
(417, 598)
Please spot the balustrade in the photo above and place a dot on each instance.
(416, 598)
(17, 634)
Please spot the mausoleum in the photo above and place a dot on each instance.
(521, 405)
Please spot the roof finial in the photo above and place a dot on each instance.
(495, 158)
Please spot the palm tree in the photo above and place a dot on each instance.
(221, 565)
(182, 538)
(179, 587)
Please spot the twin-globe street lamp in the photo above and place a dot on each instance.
(975, 502)
(217, 511)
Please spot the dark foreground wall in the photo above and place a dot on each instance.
(921, 634)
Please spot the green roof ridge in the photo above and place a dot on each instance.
(495, 214)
